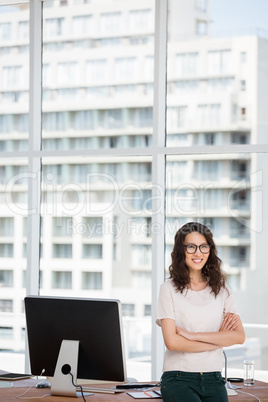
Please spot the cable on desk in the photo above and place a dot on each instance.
(243, 392)
(21, 396)
(77, 386)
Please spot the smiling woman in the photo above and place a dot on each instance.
(198, 316)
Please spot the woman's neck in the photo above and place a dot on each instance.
(198, 282)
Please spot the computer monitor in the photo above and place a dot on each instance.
(77, 335)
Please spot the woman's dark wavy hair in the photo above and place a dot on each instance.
(179, 272)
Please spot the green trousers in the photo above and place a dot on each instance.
(181, 386)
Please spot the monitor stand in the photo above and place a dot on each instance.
(67, 362)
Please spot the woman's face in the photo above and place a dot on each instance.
(197, 260)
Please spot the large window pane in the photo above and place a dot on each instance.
(215, 85)
(97, 87)
(228, 194)
(14, 178)
(97, 241)
(14, 81)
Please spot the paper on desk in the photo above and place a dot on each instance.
(144, 395)
(6, 384)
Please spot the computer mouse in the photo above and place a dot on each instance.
(43, 384)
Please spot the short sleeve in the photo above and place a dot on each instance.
(229, 304)
(165, 308)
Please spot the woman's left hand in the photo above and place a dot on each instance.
(230, 322)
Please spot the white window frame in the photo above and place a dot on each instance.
(157, 151)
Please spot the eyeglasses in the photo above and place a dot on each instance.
(191, 248)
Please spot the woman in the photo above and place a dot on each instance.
(197, 313)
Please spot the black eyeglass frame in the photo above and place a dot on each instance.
(194, 245)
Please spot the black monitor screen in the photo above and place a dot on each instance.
(95, 323)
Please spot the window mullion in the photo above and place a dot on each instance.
(158, 178)
(34, 162)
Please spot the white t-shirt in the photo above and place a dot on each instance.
(195, 311)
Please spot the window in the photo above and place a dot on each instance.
(5, 31)
(54, 27)
(92, 251)
(201, 5)
(96, 71)
(128, 310)
(111, 22)
(126, 68)
(149, 68)
(201, 28)
(243, 85)
(6, 333)
(62, 250)
(141, 255)
(92, 227)
(187, 64)
(243, 57)
(6, 250)
(6, 227)
(92, 280)
(67, 72)
(83, 25)
(209, 115)
(127, 156)
(6, 306)
(141, 20)
(219, 61)
(61, 280)
(62, 227)
(13, 76)
(23, 30)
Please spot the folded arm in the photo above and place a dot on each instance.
(179, 343)
(230, 333)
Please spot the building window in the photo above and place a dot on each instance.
(141, 255)
(243, 57)
(6, 227)
(126, 68)
(62, 227)
(147, 310)
(6, 250)
(243, 85)
(62, 250)
(243, 113)
(67, 72)
(140, 20)
(96, 71)
(219, 61)
(92, 227)
(6, 306)
(187, 63)
(92, 280)
(141, 280)
(13, 76)
(201, 5)
(23, 30)
(201, 28)
(208, 115)
(128, 310)
(6, 333)
(54, 27)
(83, 25)
(92, 251)
(5, 31)
(61, 280)
(111, 22)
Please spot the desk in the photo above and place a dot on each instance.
(260, 389)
